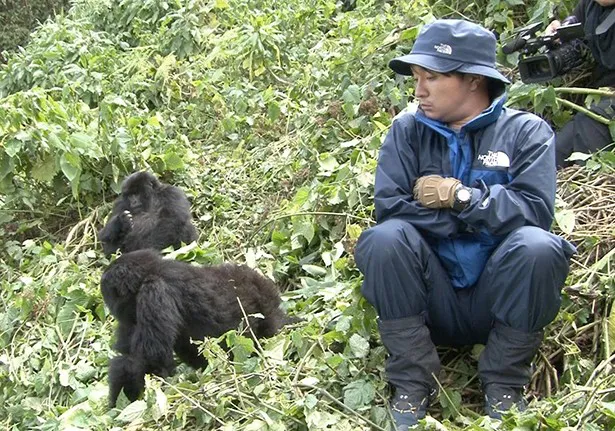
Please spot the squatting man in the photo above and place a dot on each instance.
(461, 253)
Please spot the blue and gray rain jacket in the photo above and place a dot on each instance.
(506, 156)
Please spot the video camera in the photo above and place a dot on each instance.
(545, 57)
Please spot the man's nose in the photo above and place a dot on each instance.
(419, 89)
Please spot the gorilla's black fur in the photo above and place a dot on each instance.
(161, 304)
(148, 214)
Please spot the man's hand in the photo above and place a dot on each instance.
(433, 191)
(552, 27)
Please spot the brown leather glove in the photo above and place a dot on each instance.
(434, 191)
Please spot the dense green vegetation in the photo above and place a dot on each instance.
(19, 17)
(271, 119)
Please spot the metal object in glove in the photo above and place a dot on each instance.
(434, 191)
(463, 197)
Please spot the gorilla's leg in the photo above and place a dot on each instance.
(128, 373)
(189, 353)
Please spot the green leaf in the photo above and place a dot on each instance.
(6, 165)
(300, 198)
(358, 345)
(132, 412)
(273, 111)
(609, 336)
(303, 226)
(154, 121)
(314, 270)
(242, 347)
(172, 161)
(543, 98)
(71, 165)
(64, 377)
(279, 238)
(44, 170)
(578, 156)
(354, 231)
(409, 34)
(322, 420)
(85, 371)
(66, 317)
(358, 394)
(161, 406)
(352, 94)
(12, 147)
(451, 402)
(275, 349)
(310, 401)
(81, 141)
(565, 220)
(327, 162)
(608, 408)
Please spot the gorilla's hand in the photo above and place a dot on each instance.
(126, 221)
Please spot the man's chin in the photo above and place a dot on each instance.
(431, 114)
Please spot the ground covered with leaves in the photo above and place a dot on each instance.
(270, 118)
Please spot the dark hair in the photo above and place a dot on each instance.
(495, 87)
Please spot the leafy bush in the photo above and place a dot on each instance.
(19, 17)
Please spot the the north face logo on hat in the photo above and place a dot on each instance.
(444, 49)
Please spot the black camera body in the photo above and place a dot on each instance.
(545, 57)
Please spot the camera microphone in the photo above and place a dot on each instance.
(514, 45)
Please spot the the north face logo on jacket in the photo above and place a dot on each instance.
(495, 159)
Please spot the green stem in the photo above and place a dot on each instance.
(583, 110)
(577, 90)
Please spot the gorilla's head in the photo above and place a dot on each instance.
(121, 281)
(139, 190)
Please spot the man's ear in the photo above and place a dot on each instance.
(476, 81)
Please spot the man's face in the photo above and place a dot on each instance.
(605, 2)
(442, 97)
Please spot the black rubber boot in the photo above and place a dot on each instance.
(409, 367)
(505, 368)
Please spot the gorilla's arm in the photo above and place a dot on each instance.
(148, 345)
(159, 323)
(125, 372)
(123, 336)
(113, 233)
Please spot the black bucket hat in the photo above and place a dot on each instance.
(448, 45)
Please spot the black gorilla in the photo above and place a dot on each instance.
(161, 304)
(148, 214)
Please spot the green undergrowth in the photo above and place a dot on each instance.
(270, 118)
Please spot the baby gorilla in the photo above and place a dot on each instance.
(161, 304)
(148, 214)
